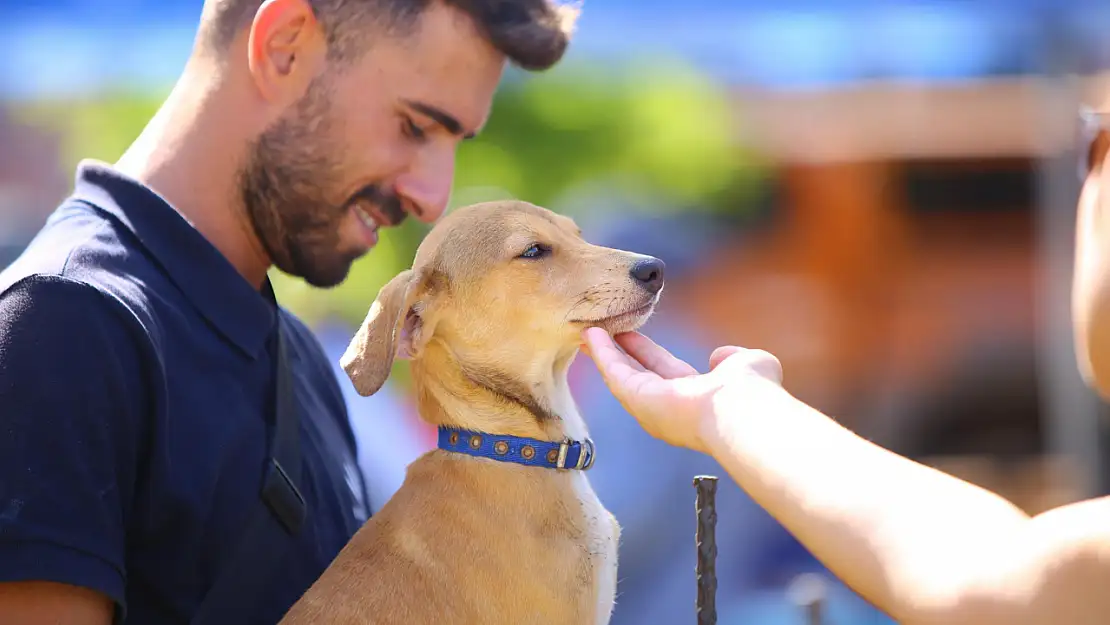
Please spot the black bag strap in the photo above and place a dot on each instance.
(280, 512)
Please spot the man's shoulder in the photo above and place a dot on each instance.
(68, 330)
(81, 255)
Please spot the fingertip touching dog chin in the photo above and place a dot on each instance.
(490, 318)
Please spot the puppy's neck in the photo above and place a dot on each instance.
(536, 403)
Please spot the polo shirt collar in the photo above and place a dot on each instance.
(239, 312)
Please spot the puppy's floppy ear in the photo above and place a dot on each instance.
(390, 328)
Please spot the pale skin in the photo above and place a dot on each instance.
(400, 110)
(923, 546)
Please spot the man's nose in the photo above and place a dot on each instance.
(425, 190)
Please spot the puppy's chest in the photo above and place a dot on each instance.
(602, 533)
(601, 536)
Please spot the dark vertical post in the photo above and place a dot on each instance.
(706, 538)
(807, 591)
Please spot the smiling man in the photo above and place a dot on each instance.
(139, 332)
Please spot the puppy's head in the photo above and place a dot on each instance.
(504, 289)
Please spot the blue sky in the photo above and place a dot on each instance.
(69, 47)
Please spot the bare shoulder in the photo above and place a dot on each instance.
(48, 602)
(1055, 570)
(1084, 521)
(1075, 539)
(1070, 555)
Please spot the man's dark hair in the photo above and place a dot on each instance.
(533, 34)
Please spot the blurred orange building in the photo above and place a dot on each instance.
(908, 238)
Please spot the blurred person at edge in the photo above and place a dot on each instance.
(653, 500)
(138, 330)
(921, 545)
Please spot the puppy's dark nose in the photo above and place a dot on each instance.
(649, 273)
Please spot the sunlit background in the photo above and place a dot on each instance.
(882, 193)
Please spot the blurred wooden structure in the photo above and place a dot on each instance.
(908, 236)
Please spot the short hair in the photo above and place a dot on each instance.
(533, 34)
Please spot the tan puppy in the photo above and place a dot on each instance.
(490, 315)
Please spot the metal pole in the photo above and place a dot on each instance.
(807, 591)
(706, 538)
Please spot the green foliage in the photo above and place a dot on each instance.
(655, 130)
(98, 127)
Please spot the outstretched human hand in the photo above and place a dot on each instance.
(670, 398)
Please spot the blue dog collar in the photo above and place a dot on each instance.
(527, 451)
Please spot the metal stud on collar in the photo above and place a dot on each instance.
(585, 463)
(564, 447)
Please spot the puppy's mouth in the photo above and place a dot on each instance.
(626, 321)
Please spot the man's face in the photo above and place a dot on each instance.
(370, 142)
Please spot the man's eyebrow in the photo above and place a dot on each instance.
(441, 117)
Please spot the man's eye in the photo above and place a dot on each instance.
(536, 250)
(414, 131)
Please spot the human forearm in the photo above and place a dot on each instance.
(923, 546)
(903, 535)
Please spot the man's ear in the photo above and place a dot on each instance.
(286, 47)
(392, 327)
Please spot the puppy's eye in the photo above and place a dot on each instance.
(536, 250)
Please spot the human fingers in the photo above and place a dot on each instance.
(585, 349)
(729, 358)
(654, 357)
(617, 369)
(721, 353)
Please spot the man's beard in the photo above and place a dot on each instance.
(287, 188)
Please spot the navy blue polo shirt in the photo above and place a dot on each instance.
(136, 385)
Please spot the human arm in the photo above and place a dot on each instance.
(49, 603)
(69, 413)
(1091, 286)
(921, 545)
